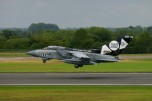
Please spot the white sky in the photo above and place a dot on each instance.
(76, 13)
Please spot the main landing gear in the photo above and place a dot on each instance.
(77, 66)
(44, 61)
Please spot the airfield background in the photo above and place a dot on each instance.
(40, 35)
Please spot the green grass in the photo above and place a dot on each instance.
(36, 65)
(75, 93)
(135, 54)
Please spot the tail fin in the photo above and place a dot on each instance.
(115, 47)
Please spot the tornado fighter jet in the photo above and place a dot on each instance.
(79, 57)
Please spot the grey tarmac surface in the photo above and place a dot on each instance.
(75, 78)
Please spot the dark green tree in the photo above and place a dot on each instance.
(100, 36)
(143, 43)
(9, 34)
(42, 39)
(17, 43)
(81, 39)
(35, 27)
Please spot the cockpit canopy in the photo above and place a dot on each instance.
(53, 48)
(63, 48)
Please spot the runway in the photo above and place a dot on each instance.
(75, 78)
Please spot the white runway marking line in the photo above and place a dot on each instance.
(62, 73)
(76, 84)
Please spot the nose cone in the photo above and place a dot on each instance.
(31, 53)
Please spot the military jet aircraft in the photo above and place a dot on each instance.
(83, 57)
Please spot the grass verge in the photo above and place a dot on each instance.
(36, 65)
(27, 64)
(75, 93)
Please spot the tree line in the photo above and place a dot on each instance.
(41, 35)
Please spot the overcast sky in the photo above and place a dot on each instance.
(76, 13)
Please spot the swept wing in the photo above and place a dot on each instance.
(78, 58)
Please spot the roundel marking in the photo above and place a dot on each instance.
(114, 45)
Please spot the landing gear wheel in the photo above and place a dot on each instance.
(117, 57)
(44, 61)
(80, 65)
(77, 66)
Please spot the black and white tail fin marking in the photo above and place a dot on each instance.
(115, 47)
